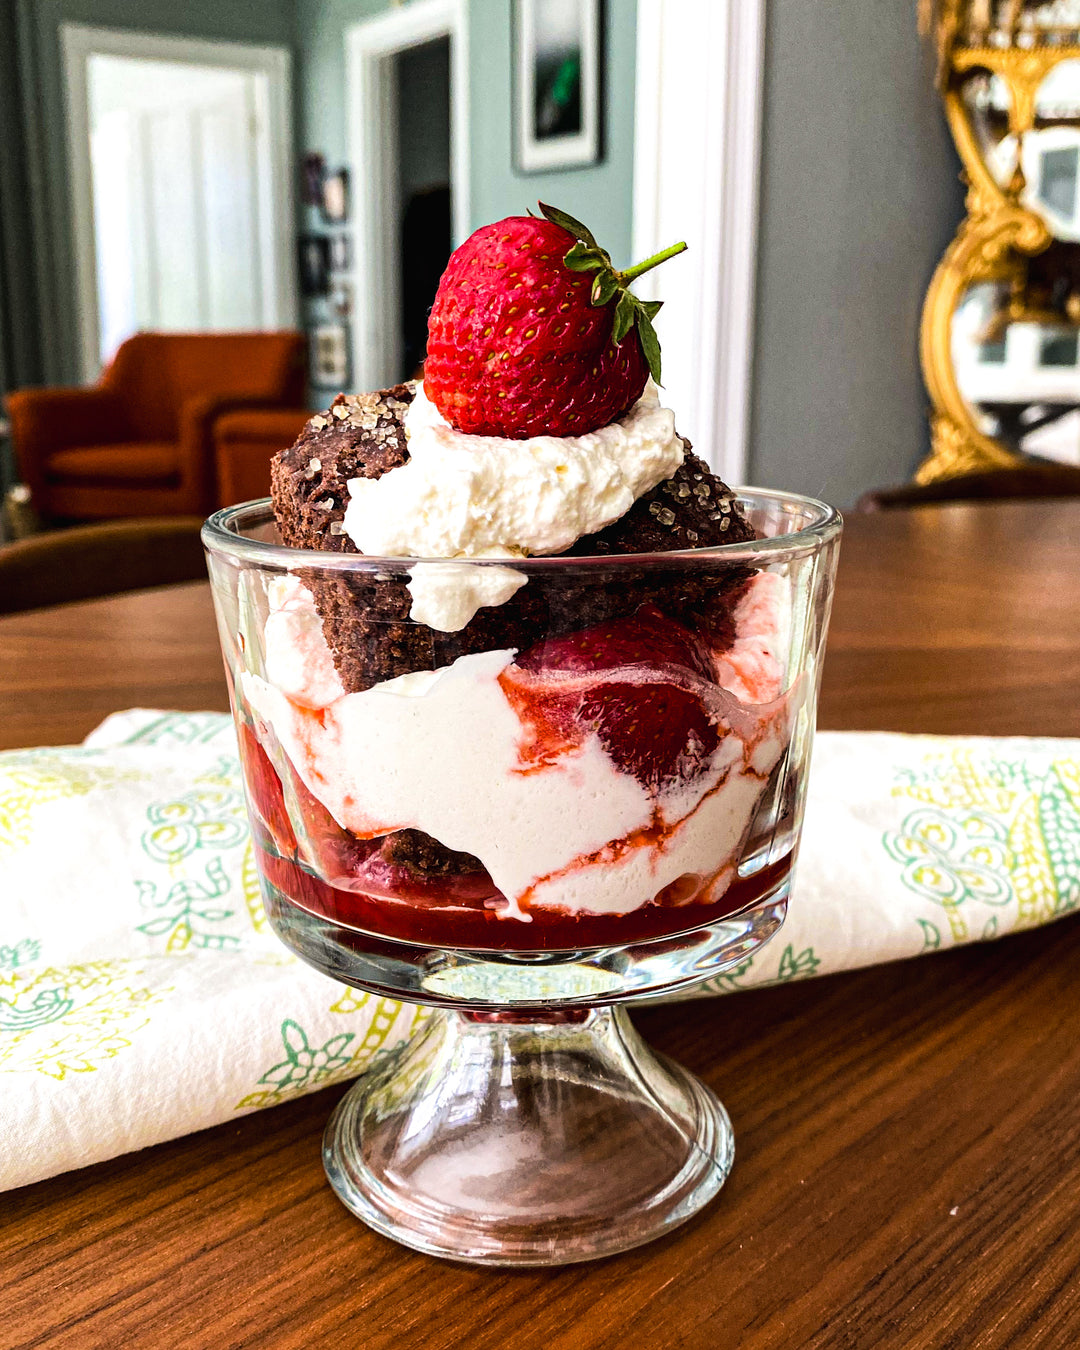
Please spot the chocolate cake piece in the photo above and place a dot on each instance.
(691, 509)
(358, 436)
(366, 616)
(422, 853)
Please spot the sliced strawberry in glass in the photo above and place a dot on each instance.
(264, 790)
(638, 684)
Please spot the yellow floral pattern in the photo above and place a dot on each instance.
(65, 1020)
(34, 777)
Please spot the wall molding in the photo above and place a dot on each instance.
(371, 116)
(275, 193)
(697, 154)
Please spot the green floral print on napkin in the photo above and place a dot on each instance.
(211, 818)
(791, 966)
(23, 953)
(342, 1056)
(995, 831)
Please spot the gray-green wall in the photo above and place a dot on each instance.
(38, 23)
(423, 98)
(859, 198)
(600, 195)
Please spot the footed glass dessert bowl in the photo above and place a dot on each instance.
(527, 836)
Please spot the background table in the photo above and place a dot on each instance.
(908, 1137)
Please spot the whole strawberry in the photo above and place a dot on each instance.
(533, 332)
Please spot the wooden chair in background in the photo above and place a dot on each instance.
(1036, 479)
(93, 560)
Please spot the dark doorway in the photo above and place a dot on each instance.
(423, 188)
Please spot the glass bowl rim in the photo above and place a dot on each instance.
(220, 537)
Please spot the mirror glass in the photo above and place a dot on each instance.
(1052, 152)
(1018, 371)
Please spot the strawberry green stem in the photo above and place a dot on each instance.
(639, 269)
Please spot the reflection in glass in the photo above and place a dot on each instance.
(1057, 181)
(1017, 368)
(1051, 150)
(1058, 349)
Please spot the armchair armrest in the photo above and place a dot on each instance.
(245, 442)
(197, 418)
(46, 420)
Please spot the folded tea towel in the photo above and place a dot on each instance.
(143, 996)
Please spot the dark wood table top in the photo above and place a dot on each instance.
(908, 1142)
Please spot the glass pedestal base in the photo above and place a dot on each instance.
(527, 1139)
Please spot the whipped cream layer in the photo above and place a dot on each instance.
(440, 751)
(462, 496)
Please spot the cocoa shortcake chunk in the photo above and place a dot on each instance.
(358, 436)
(365, 616)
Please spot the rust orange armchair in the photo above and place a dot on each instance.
(140, 442)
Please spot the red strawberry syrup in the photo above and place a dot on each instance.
(477, 928)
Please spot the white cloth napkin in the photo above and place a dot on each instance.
(142, 995)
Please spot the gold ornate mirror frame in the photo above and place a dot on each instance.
(998, 231)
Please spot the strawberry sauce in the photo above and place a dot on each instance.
(477, 928)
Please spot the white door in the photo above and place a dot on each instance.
(177, 231)
(180, 154)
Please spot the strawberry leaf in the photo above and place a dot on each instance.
(604, 287)
(583, 259)
(650, 343)
(651, 307)
(625, 314)
(569, 224)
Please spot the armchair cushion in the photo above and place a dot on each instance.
(125, 462)
(68, 416)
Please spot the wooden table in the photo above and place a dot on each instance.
(908, 1170)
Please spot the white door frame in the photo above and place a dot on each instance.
(697, 151)
(371, 115)
(273, 105)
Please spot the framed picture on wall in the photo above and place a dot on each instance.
(329, 356)
(557, 84)
(314, 255)
(312, 168)
(341, 298)
(335, 197)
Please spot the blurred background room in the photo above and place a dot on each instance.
(215, 217)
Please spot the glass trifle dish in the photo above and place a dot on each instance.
(525, 698)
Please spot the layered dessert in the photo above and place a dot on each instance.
(526, 706)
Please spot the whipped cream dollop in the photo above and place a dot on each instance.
(446, 595)
(462, 496)
(298, 661)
